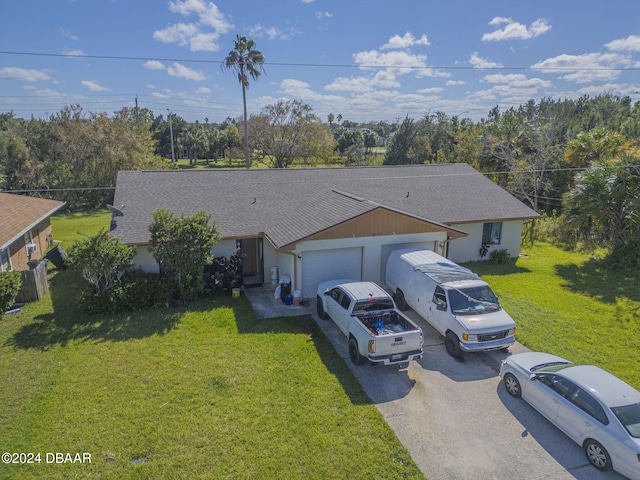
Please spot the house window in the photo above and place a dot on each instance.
(491, 233)
(5, 262)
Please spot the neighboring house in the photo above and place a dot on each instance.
(318, 224)
(25, 229)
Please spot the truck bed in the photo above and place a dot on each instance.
(386, 323)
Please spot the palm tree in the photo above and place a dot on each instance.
(245, 60)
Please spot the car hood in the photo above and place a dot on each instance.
(528, 360)
(487, 322)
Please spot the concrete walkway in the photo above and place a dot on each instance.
(265, 305)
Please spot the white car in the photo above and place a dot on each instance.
(595, 409)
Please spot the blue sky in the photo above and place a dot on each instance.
(365, 60)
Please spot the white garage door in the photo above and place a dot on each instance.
(321, 265)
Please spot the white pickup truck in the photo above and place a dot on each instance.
(367, 315)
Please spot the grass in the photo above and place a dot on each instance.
(567, 304)
(203, 391)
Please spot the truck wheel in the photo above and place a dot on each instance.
(320, 309)
(452, 344)
(354, 353)
(401, 303)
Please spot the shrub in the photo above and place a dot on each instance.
(137, 291)
(10, 283)
(499, 256)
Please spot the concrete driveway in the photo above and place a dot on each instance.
(458, 422)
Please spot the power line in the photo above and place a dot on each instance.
(552, 170)
(324, 65)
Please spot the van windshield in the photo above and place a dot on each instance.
(473, 300)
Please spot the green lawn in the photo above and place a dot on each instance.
(566, 304)
(208, 391)
(204, 391)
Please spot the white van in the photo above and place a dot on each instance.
(452, 299)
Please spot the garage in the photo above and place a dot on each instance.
(321, 265)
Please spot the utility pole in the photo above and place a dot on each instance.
(137, 112)
(173, 155)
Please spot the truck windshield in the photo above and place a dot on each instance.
(473, 300)
(372, 305)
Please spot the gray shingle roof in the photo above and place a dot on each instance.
(291, 204)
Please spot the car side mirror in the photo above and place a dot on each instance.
(533, 377)
(327, 292)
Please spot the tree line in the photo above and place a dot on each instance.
(546, 153)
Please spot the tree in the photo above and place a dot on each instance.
(595, 146)
(10, 283)
(603, 207)
(182, 247)
(246, 61)
(286, 131)
(101, 260)
(407, 146)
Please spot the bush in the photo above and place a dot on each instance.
(10, 283)
(499, 256)
(137, 291)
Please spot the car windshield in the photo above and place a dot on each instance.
(551, 366)
(629, 416)
(473, 300)
(372, 305)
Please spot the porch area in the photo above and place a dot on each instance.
(265, 305)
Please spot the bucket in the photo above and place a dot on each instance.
(235, 292)
(274, 275)
(296, 297)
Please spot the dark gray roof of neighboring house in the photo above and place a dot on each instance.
(291, 204)
(20, 213)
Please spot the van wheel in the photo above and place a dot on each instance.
(452, 344)
(401, 303)
(320, 309)
(354, 353)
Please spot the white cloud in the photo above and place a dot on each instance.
(93, 85)
(622, 89)
(154, 65)
(406, 41)
(203, 90)
(517, 80)
(630, 44)
(382, 79)
(66, 33)
(298, 89)
(73, 53)
(179, 70)
(272, 33)
(398, 62)
(479, 62)
(323, 15)
(585, 68)
(514, 30)
(431, 90)
(454, 82)
(196, 35)
(23, 74)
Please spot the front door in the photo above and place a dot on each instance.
(252, 264)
